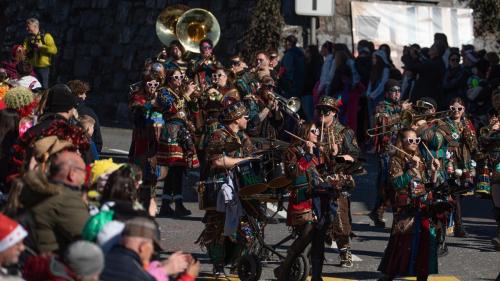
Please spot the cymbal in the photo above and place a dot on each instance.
(266, 144)
(225, 147)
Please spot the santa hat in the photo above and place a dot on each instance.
(10, 232)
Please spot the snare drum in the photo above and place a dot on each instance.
(277, 177)
(207, 194)
(249, 177)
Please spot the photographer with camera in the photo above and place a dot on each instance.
(40, 47)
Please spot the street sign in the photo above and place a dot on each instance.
(314, 7)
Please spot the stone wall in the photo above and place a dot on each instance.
(106, 41)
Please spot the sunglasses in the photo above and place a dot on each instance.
(269, 86)
(206, 47)
(235, 63)
(178, 77)
(395, 89)
(325, 111)
(315, 131)
(152, 84)
(457, 108)
(413, 141)
(217, 75)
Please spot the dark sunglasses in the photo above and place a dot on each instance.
(217, 75)
(456, 108)
(178, 77)
(395, 89)
(235, 63)
(325, 111)
(413, 141)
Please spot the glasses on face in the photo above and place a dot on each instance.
(395, 89)
(178, 77)
(413, 140)
(235, 63)
(217, 75)
(457, 108)
(325, 111)
(152, 84)
(206, 47)
(269, 86)
(315, 131)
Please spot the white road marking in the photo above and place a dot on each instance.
(118, 151)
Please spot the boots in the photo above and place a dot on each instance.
(218, 270)
(165, 209)
(282, 272)
(180, 210)
(377, 218)
(459, 231)
(317, 270)
(345, 258)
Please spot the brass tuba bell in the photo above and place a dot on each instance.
(167, 22)
(195, 25)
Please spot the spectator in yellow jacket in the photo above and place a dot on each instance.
(40, 47)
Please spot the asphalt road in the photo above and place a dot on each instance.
(472, 258)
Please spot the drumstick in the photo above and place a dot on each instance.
(299, 138)
(402, 151)
(322, 126)
(426, 148)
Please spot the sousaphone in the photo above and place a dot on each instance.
(195, 25)
(167, 22)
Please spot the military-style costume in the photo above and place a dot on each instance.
(386, 112)
(202, 72)
(412, 245)
(223, 249)
(267, 128)
(176, 149)
(147, 123)
(345, 140)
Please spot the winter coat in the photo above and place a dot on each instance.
(430, 78)
(58, 211)
(124, 264)
(292, 73)
(83, 109)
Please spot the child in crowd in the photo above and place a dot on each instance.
(88, 123)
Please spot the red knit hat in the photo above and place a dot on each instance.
(10, 232)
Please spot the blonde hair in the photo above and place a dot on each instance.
(86, 121)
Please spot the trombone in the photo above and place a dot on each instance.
(406, 119)
(290, 106)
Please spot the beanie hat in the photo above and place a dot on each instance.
(18, 97)
(85, 259)
(60, 99)
(10, 232)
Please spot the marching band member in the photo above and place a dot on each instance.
(462, 145)
(386, 112)
(175, 60)
(412, 245)
(244, 80)
(146, 126)
(176, 149)
(301, 160)
(341, 143)
(201, 68)
(490, 146)
(265, 116)
(218, 245)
